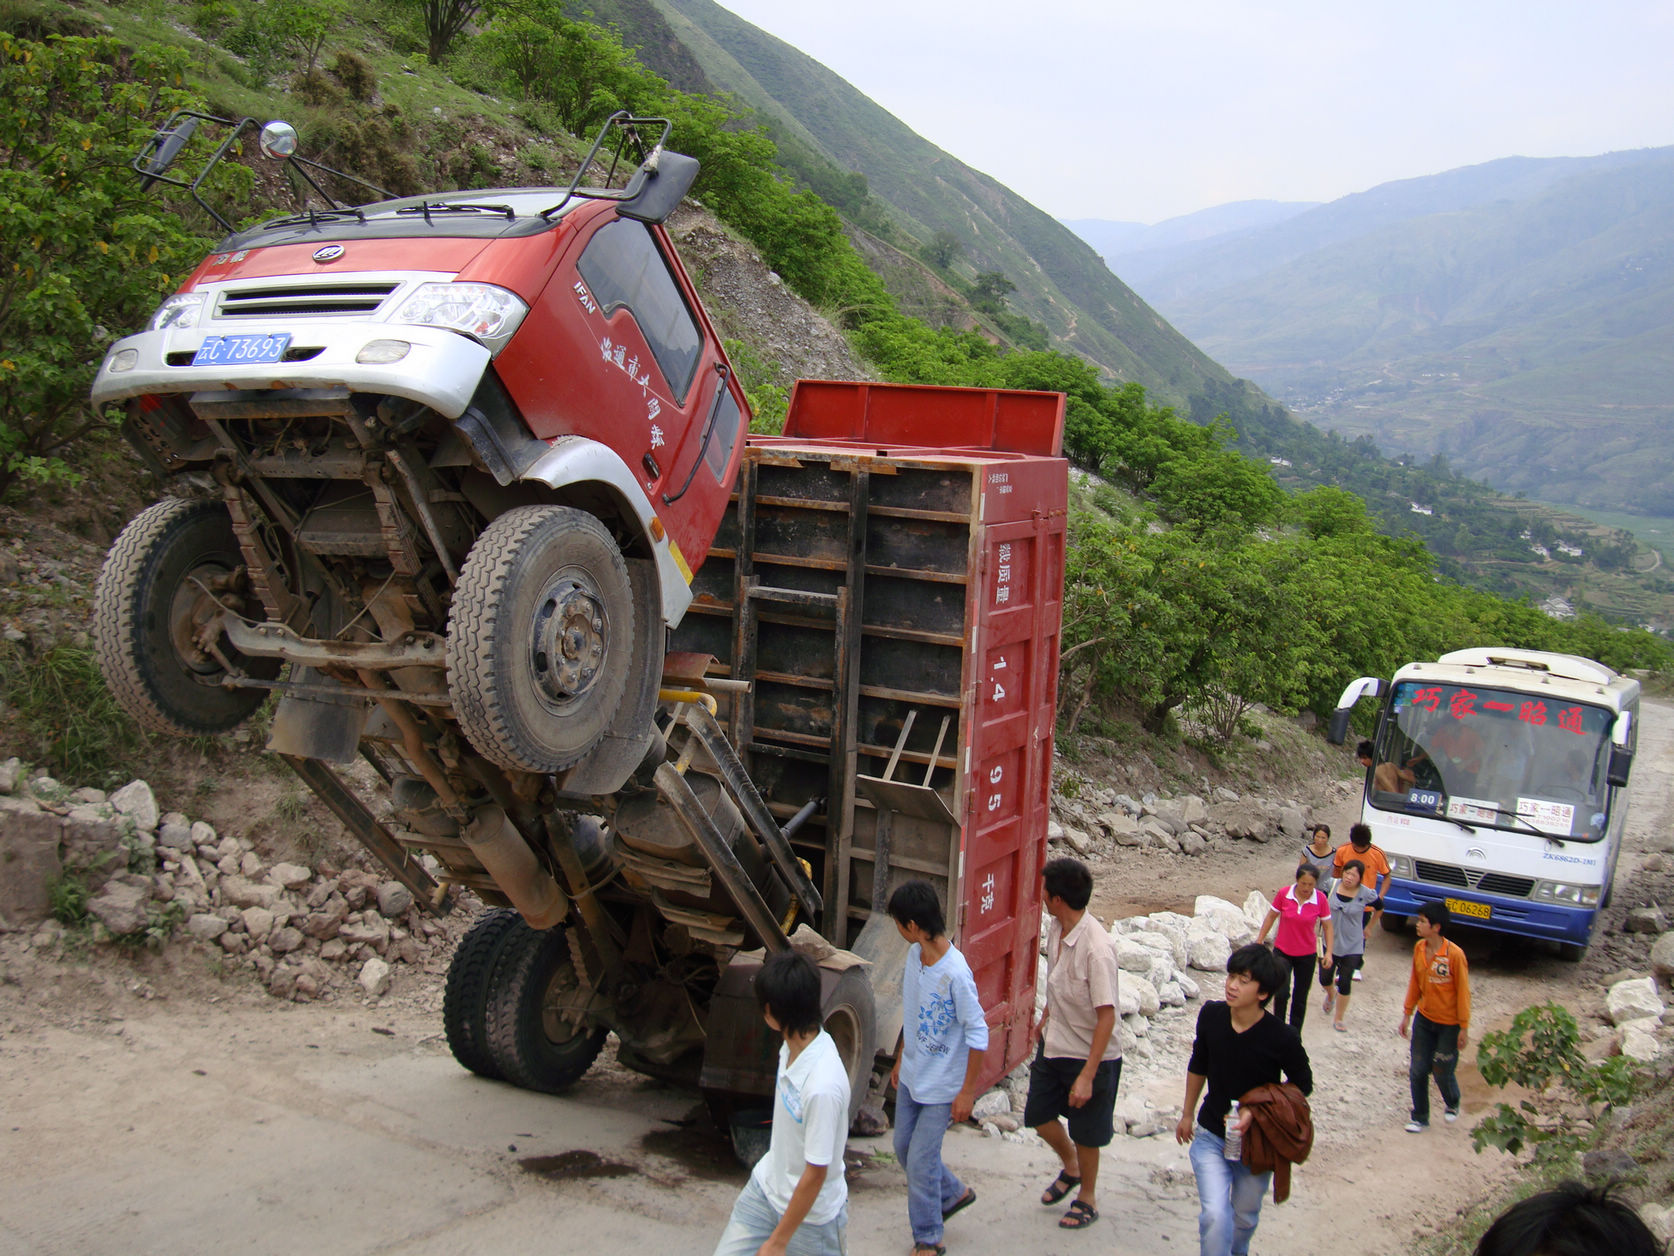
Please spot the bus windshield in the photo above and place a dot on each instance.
(1494, 758)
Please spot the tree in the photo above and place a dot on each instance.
(990, 291)
(444, 21)
(943, 247)
(88, 253)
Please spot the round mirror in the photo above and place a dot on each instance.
(278, 139)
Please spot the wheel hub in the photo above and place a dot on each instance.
(570, 640)
(564, 1005)
(192, 607)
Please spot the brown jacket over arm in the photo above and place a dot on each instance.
(1281, 1133)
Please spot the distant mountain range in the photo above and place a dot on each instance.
(1516, 317)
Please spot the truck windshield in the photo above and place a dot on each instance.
(1494, 758)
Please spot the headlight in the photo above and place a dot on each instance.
(1563, 892)
(1401, 866)
(180, 310)
(480, 310)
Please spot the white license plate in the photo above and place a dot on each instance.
(224, 350)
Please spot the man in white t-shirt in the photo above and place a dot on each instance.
(796, 1202)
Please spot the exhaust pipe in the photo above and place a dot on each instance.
(500, 848)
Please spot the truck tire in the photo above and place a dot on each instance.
(1572, 952)
(1393, 923)
(540, 638)
(465, 997)
(850, 1014)
(531, 1044)
(149, 600)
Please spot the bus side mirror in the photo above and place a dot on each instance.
(1337, 731)
(1621, 762)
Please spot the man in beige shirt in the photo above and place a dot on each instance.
(1079, 1060)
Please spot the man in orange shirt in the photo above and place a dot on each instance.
(1439, 991)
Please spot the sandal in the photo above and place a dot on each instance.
(929, 1249)
(964, 1201)
(1079, 1216)
(1062, 1185)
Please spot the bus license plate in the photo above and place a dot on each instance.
(224, 350)
(1459, 907)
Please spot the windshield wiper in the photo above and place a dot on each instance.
(1529, 824)
(456, 207)
(313, 218)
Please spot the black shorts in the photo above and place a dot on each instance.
(1343, 968)
(1050, 1080)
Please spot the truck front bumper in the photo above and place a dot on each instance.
(440, 368)
(1519, 916)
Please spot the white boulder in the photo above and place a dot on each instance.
(1633, 999)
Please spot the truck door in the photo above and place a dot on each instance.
(689, 437)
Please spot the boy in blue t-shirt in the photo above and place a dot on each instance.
(943, 1036)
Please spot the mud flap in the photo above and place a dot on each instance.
(318, 727)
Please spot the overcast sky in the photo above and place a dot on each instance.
(1143, 111)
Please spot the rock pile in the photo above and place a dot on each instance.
(1098, 820)
(306, 933)
(1636, 1011)
(1158, 955)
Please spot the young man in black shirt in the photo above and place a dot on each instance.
(1239, 1046)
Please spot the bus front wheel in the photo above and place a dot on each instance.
(1571, 952)
(1393, 923)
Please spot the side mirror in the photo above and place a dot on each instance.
(1337, 731)
(277, 140)
(1621, 763)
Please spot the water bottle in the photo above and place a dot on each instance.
(1234, 1149)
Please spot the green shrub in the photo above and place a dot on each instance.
(67, 896)
(88, 253)
(1541, 1053)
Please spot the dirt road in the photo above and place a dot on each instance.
(137, 1116)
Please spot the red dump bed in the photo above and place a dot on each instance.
(892, 584)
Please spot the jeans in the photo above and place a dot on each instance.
(753, 1219)
(1229, 1197)
(1434, 1048)
(1301, 978)
(931, 1188)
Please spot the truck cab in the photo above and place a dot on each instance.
(368, 391)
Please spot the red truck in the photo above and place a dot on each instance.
(474, 466)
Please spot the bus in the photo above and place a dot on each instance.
(1498, 785)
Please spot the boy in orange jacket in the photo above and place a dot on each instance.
(1439, 991)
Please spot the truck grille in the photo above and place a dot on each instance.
(286, 300)
(1470, 879)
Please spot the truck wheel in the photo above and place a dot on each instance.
(465, 998)
(540, 638)
(850, 1014)
(535, 1033)
(161, 582)
(1394, 924)
(1572, 952)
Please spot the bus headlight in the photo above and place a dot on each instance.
(1401, 866)
(1563, 892)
